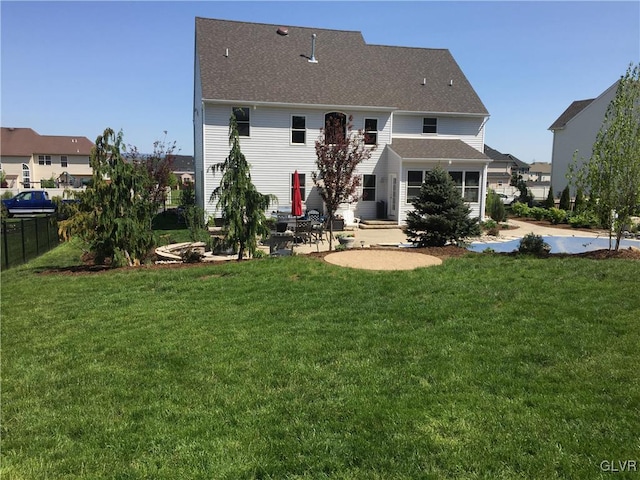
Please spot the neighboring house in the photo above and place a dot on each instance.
(576, 129)
(284, 83)
(500, 170)
(27, 158)
(183, 168)
(539, 172)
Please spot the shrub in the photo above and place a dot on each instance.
(495, 207)
(557, 215)
(565, 199)
(580, 203)
(520, 209)
(535, 244)
(585, 219)
(550, 202)
(538, 213)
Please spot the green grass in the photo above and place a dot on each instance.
(484, 367)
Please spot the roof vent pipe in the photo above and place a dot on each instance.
(226, 52)
(424, 81)
(313, 49)
(451, 83)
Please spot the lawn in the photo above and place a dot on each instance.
(487, 366)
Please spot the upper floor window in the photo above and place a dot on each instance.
(243, 120)
(369, 188)
(429, 125)
(44, 159)
(335, 127)
(298, 129)
(303, 190)
(63, 161)
(371, 131)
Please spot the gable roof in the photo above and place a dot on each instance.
(435, 149)
(497, 156)
(540, 167)
(265, 66)
(574, 109)
(183, 163)
(24, 142)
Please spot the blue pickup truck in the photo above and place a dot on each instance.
(30, 202)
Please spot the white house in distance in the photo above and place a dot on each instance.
(576, 129)
(284, 83)
(27, 158)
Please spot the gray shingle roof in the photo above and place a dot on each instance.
(497, 156)
(263, 66)
(435, 149)
(573, 109)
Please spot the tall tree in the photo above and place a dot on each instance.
(611, 177)
(241, 205)
(114, 213)
(565, 199)
(440, 214)
(339, 151)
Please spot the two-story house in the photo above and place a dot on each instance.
(501, 168)
(27, 158)
(575, 130)
(284, 83)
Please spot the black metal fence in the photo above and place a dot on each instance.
(25, 238)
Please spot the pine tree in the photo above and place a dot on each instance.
(440, 214)
(242, 206)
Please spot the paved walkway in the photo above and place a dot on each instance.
(394, 236)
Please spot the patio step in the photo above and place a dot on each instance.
(379, 224)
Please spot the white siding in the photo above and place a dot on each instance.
(579, 134)
(272, 156)
(468, 129)
(198, 127)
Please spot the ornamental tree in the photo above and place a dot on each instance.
(611, 177)
(339, 151)
(440, 214)
(114, 213)
(241, 205)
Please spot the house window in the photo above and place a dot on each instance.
(44, 159)
(243, 120)
(302, 178)
(26, 176)
(369, 188)
(414, 182)
(63, 161)
(429, 125)
(335, 125)
(370, 131)
(468, 183)
(298, 129)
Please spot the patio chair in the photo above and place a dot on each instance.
(350, 220)
(303, 230)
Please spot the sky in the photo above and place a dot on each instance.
(75, 68)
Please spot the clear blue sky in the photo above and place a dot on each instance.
(74, 68)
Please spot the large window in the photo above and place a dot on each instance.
(243, 120)
(369, 188)
(44, 159)
(63, 161)
(298, 129)
(303, 190)
(371, 131)
(335, 127)
(414, 182)
(429, 125)
(468, 183)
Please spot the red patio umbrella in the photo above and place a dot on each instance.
(296, 201)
